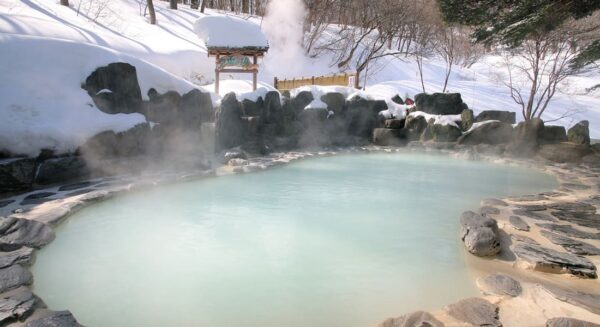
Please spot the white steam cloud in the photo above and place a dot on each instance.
(283, 25)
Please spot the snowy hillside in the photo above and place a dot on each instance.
(48, 50)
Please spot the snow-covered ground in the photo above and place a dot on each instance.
(47, 50)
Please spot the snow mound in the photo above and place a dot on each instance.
(223, 31)
(479, 124)
(241, 88)
(42, 104)
(438, 119)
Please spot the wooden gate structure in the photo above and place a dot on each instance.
(348, 79)
(236, 60)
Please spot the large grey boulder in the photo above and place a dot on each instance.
(335, 101)
(108, 144)
(569, 322)
(23, 255)
(273, 113)
(414, 127)
(13, 277)
(564, 152)
(195, 108)
(61, 170)
(413, 319)
(500, 284)
(525, 141)
(440, 133)
(489, 133)
(114, 88)
(16, 174)
(394, 123)
(466, 119)
(580, 133)
(553, 134)
(18, 305)
(387, 136)
(440, 103)
(508, 117)
(475, 311)
(547, 260)
(479, 234)
(16, 232)
(55, 319)
(229, 128)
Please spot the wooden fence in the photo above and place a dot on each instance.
(348, 79)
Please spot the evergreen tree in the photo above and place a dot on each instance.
(509, 22)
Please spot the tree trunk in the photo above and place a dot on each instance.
(173, 4)
(194, 4)
(152, 12)
(232, 5)
(64, 2)
(245, 6)
(203, 6)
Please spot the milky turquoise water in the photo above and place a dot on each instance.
(337, 241)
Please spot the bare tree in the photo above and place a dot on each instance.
(246, 6)
(194, 4)
(537, 67)
(151, 12)
(203, 6)
(173, 4)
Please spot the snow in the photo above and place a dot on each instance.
(242, 89)
(438, 119)
(224, 31)
(479, 124)
(316, 104)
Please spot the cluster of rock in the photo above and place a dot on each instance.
(174, 131)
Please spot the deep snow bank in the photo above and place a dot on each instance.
(42, 105)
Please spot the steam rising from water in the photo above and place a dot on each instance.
(283, 25)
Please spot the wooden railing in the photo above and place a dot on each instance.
(348, 79)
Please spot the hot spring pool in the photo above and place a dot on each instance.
(337, 241)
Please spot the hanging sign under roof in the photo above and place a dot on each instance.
(236, 61)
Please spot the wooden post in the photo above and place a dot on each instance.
(275, 83)
(217, 71)
(356, 81)
(254, 73)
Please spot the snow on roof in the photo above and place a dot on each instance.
(224, 31)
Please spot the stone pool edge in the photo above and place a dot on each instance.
(32, 228)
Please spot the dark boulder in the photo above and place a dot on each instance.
(301, 100)
(273, 111)
(394, 123)
(162, 108)
(414, 127)
(547, 260)
(564, 152)
(553, 134)
(440, 133)
(60, 170)
(387, 136)
(508, 117)
(569, 322)
(251, 108)
(361, 116)
(494, 132)
(16, 174)
(440, 103)
(114, 88)
(466, 119)
(314, 132)
(195, 107)
(336, 102)
(108, 144)
(525, 141)
(229, 128)
(580, 133)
